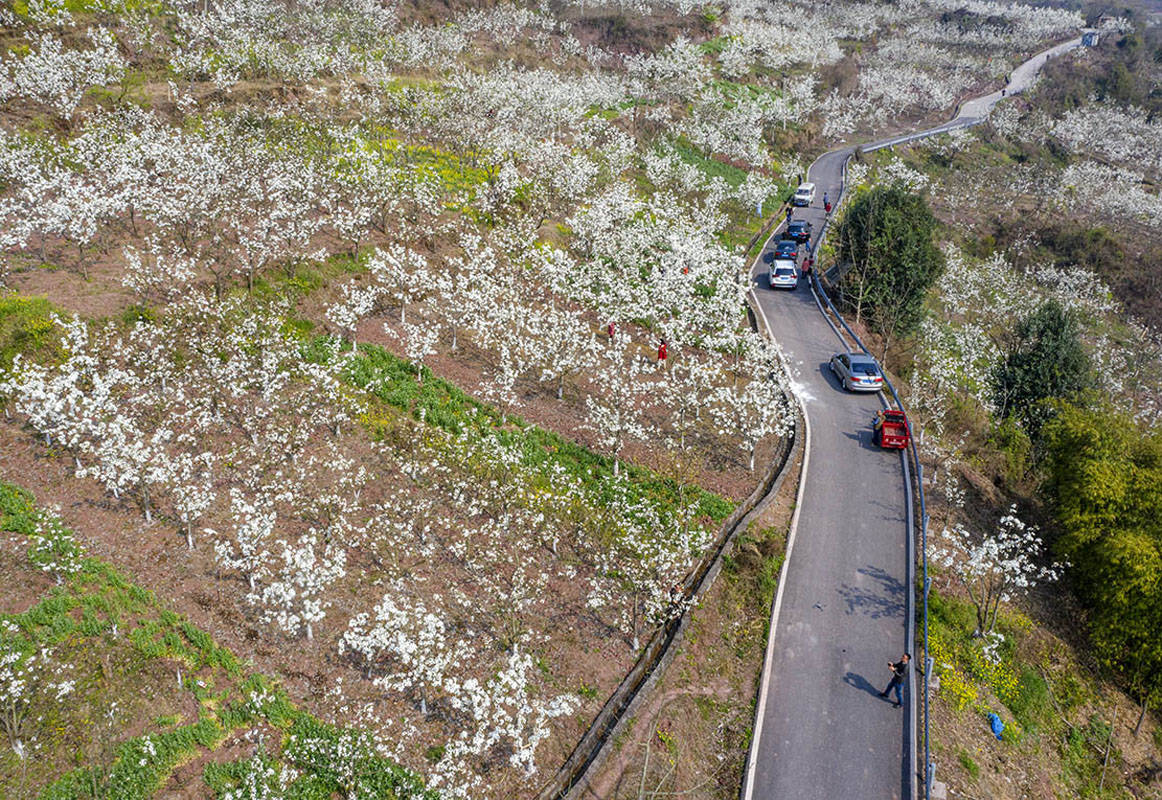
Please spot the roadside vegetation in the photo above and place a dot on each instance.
(693, 732)
(886, 243)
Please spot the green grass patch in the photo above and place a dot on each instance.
(142, 764)
(966, 671)
(306, 278)
(711, 167)
(970, 766)
(17, 510)
(735, 91)
(743, 222)
(1030, 703)
(151, 7)
(751, 574)
(442, 404)
(27, 327)
(114, 641)
(1082, 754)
(457, 174)
(713, 47)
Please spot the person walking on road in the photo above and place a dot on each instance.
(899, 673)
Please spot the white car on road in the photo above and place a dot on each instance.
(784, 274)
(804, 195)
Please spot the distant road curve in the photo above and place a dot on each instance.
(841, 609)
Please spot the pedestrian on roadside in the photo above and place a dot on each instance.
(788, 215)
(899, 673)
(826, 207)
(808, 265)
(825, 199)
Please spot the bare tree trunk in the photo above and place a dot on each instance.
(1142, 713)
(1105, 761)
(977, 603)
(996, 610)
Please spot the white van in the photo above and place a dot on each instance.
(804, 195)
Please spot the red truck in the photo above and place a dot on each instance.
(891, 429)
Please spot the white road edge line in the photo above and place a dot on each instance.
(764, 688)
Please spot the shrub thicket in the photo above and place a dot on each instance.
(1105, 481)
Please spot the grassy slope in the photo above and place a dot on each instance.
(137, 665)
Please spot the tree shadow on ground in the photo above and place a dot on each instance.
(885, 600)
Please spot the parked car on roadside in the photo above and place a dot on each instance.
(857, 372)
(787, 248)
(804, 195)
(799, 230)
(784, 274)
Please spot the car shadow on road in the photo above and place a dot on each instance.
(885, 600)
(829, 376)
(857, 681)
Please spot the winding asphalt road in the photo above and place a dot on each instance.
(821, 730)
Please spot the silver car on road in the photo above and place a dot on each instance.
(857, 372)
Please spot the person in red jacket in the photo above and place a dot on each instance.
(662, 353)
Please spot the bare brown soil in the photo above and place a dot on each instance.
(102, 295)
